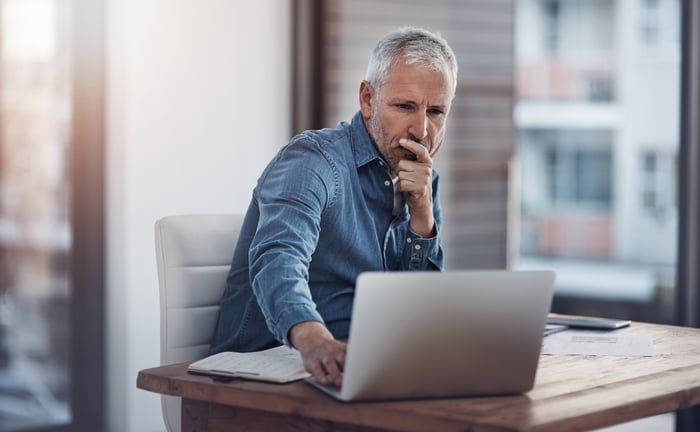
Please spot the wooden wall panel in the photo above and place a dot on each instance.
(480, 139)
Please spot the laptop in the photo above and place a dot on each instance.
(444, 334)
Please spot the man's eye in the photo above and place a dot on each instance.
(435, 111)
(403, 106)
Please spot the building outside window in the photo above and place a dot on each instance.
(35, 234)
(597, 155)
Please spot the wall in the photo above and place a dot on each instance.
(198, 101)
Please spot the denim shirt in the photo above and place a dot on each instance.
(321, 213)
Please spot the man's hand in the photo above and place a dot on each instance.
(415, 178)
(323, 355)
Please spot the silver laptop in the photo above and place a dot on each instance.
(444, 334)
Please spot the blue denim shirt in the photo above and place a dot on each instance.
(321, 214)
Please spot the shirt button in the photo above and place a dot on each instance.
(387, 183)
(417, 247)
(381, 163)
(409, 240)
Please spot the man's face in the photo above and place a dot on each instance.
(412, 104)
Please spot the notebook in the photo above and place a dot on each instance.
(444, 334)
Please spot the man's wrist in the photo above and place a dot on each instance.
(425, 229)
(307, 333)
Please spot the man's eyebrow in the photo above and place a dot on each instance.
(403, 101)
(412, 102)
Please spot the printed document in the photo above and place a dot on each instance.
(614, 343)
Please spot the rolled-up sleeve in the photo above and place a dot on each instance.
(291, 197)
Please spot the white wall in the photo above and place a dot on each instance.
(198, 102)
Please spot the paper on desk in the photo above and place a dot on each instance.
(576, 342)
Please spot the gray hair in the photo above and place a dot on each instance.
(413, 46)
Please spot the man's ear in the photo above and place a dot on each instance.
(366, 99)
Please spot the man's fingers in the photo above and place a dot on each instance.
(327, 370)
(316, 369)
(333, 370)
(422, 154)
(325, 361)
(414, 179)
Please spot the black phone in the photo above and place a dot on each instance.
(588, 322)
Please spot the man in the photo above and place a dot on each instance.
(336, 202)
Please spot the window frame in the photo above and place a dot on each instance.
(87, 217)
(688, 276)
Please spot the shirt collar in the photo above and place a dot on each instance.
(363, 147)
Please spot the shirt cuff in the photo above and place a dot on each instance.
(422, 250)
(289, 318)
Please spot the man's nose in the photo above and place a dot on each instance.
(419, 126)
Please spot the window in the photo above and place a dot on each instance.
(35, 234)
(596, 196)
(578, 177)
(658, 184)
(50, 314)
(551, 41)
(658, 23)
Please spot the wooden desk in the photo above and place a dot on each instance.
(571, 393)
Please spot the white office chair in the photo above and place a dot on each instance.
(194, 254)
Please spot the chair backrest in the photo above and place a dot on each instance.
(193, 254)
